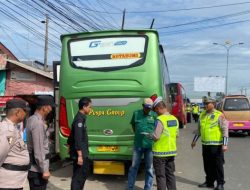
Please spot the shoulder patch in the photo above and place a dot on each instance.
(79, 125)
(172, 123)
(212, 116)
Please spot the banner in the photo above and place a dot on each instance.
(209, 84)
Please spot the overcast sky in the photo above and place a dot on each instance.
(188, 44)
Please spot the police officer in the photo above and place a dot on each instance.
(164, 146)
(195, 112)
(188, 111)
(38, 144)
(213, 129)
(78, 145)
(14, 156)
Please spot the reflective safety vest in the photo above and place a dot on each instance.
(188, 109)
(210, 129)
(195, 109)
(166, 145)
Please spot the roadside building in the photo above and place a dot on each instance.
(24, 79)
(18, 78)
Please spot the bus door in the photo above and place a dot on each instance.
(56, 73)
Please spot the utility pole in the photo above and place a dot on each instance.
(46, 41)
(123, 18)
(241, 91)
(227, 46)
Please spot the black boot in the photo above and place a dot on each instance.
(219, 187)
(206, 185)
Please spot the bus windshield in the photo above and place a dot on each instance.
(112, 53)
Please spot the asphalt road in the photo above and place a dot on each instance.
(189, 168)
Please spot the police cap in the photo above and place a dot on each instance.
(45, 101)
(209, 100)
(17, 103)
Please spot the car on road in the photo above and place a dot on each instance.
(236, 109)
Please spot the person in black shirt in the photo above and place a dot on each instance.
(78, 145)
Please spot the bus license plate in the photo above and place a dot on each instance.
(107, 148)
(238, 124)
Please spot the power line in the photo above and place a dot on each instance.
(205, 20)
(35, 9)
(24, 37)
(21, 15)
(201, 28)
(53, 14)
(92, 18)
(162, 11)
(23, 24)
(112, 6)
(80, 17)
(188, 9)
(13, 42)
(101, 17)
(110, 15)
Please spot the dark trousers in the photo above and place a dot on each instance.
(195, 117)
(80, 174)
(164, 172)
(188, 117)
(36, 181)
(213, 159)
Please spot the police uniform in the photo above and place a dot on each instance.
(195, 111)
(188, 111)
(78, 140)
(165, 150)
(14, 157)
(38, 146)
(213, 129)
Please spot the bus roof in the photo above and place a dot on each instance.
(110, 31)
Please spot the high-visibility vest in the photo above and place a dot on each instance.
(188, 109)
(210, 128)
(166, 145)
(196, 109)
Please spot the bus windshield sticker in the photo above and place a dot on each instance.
(125, 55)
(107, 52)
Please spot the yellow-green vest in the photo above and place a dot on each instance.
(195, 109)
(188, 109)
(166, 145)
(210, 128)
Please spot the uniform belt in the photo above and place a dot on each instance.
(16, 167)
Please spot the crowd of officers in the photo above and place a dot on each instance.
(155, 131)
(18, 160)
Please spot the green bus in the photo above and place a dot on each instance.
(117, 70)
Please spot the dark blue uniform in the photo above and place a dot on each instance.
(78, 140)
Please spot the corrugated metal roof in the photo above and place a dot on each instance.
(35, 70)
